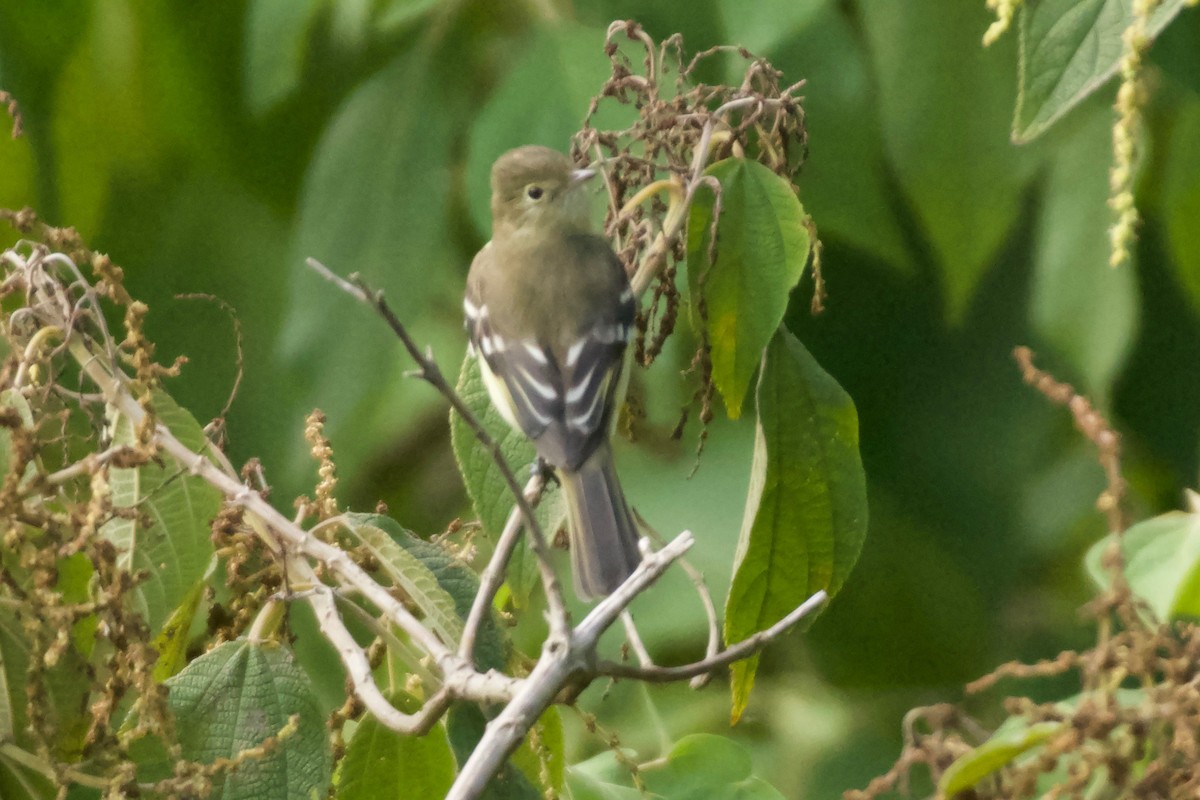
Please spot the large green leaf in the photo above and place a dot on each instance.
(1162, 564)
(375, 201)
(175, 548)
(943, 103)
(456, 583)
(396, 14)
(1181, 199)
(542, 100)
(381, 764)
(771, 24)
(601, 778)
(14, 661)
(762, 247)
(17, 177)
(1069, 48)
(231, 699)
(1083, 307)
(806, 512)
(128, 96)
(845, 185)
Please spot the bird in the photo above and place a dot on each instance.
(549, 311)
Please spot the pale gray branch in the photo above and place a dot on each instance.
(493, 574)
(743, 649)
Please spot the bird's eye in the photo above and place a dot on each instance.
(534, 192)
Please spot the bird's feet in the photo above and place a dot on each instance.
(542, 468)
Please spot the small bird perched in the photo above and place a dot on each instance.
(550, 311)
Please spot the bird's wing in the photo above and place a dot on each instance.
(562, 398)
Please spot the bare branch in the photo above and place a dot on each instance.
(358, 670)
(743, 649)
(561, 663)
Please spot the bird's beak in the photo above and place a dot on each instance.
(578, 176)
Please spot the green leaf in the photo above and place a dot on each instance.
(11, 399)
(490, 497)
(172, 641)
(66, 686)
(13, 663)
(698, 767)
(489, 494)
(542, 100)
(707, 767)
(806, 511)
(235, 696)
(1010, 740)
(1084, 308)
(945, 133)
(410, 574)
(381, 764)
(276, 42)
(548, 756)
(602, 778)
(1069, 48)
(1016, 736)
(75, 584)
(17, 781)
(465, 724)
(762, 247)
(1162, 564)
(455, 579)
(1181, 199)
(175, 548)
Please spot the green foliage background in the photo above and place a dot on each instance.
(211, 147)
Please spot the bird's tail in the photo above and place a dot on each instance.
(603, 534)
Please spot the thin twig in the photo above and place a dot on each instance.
(635, 640)
(1092, 424)
(710, 608)
(358, 671)
(432, 374)
(742, 649)
(493, 574)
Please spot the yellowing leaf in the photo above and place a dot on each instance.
(762, 247)
(806, 511)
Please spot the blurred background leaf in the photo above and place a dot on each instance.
(212, 147)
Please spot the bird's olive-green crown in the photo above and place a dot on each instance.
(535, 188)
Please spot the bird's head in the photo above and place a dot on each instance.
(538, 189)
